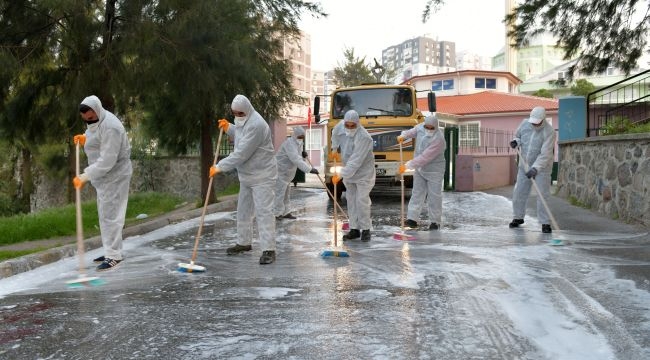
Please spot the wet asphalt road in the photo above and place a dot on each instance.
(473, 290)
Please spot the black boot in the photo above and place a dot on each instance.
(546, 228)
(233, 250)
(515, 223)
(353, 234)
(411, 223)
(434, 226)
(365, 235)
(268, 256)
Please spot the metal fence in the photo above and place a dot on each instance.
(473, 139)
(623, 103)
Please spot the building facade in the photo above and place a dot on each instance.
(419, 56)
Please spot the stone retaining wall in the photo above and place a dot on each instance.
(174, 175)
(608, 174)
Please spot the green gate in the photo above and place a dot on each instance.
(451, 137)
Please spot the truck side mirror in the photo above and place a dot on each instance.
(432, 101)
(317, 109)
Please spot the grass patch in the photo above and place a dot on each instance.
(5, 255)
(231, 189)
(57, 222)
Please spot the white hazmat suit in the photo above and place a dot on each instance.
(536, 144)
(358, 173)
(253, 157)
(109, 170)
(289, 158)
(429, 164)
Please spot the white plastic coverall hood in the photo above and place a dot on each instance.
(537, 115)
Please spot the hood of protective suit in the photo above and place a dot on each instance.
(298, 131)
(351, 116)
(94, 103)
(241, 103)
(537, 115)
(431, 120)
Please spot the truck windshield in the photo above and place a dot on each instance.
(374, 102)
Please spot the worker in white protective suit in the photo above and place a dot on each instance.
(289, 158)
(109, 170)
(254, 159)
(358, 175)
(535, 138)
(429, 165)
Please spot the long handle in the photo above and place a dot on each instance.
(207, 197)
(80, 229)
(401, 163)
(336, 230)
(329, 192)
(539, 193)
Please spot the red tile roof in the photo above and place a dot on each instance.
(488, 102)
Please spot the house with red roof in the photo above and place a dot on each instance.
(486, 109)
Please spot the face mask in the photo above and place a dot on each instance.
(350, 132)
(92, 126)
(240, 120)
(299, 142)
(429, 133)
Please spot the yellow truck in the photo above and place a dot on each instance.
(384, 110)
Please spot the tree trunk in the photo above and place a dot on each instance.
(25, 182)
(207, 157)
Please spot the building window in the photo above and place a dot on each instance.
(441, 85)
(485, 83)
(314, 139)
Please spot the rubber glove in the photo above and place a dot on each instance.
(313, 171)
(214, 170)
(223, 124)
(334, 156)
(304, 155)
(79, 139)
(513, 144)
(336, 179)
(409, 165)
(402, 169)
(79, 181)
(400, 139)
(531, 173)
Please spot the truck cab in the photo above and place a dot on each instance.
(384, 111)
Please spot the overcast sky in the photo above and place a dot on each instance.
(369, 26)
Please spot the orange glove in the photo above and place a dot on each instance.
(223, 124)
(400, 139)
(334, 156)
(79, 139)
(79, 181)
(336, 179)
(402, 169)
(214, 171)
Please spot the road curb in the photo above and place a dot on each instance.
(32, 261)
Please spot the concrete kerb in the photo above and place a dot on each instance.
(29, 262)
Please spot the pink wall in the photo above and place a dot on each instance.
(482, 172)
